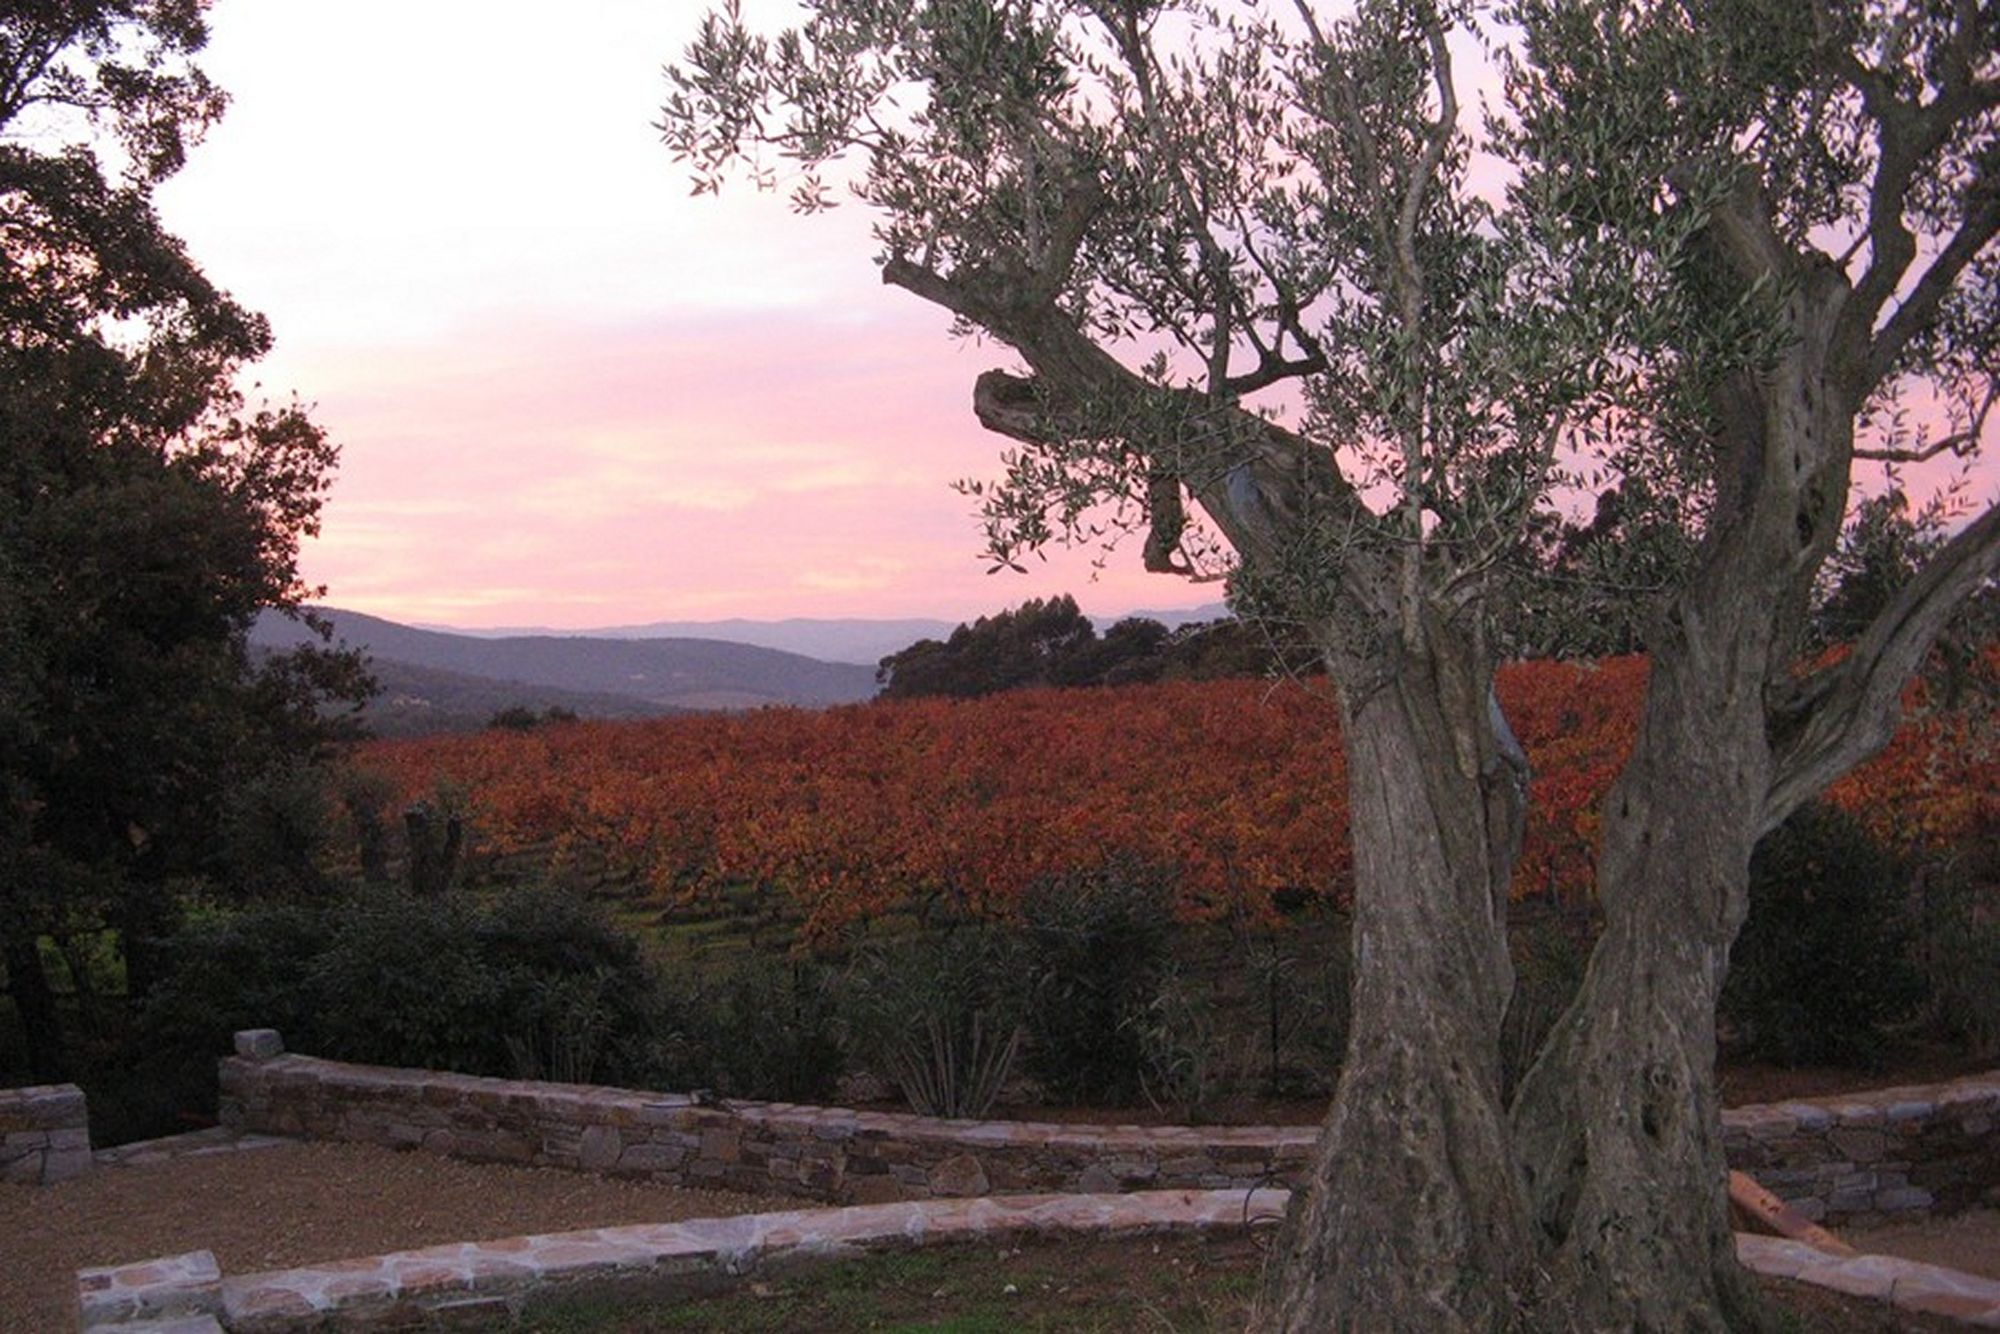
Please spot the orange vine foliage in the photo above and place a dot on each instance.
(1238, 788)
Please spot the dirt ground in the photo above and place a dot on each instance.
(1969, 1241)
(296, 1204)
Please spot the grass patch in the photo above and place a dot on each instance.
(1182, 1285)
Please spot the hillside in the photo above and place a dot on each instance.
(850, 640)
(422, 701)
(1233, 791)
(669, 674)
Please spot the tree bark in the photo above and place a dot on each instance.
(1414, 1216)
(1618, 1124)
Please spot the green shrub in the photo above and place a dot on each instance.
(1097, 947)
(1823, 960)
(1305, 974)
(531, 984)
(1180, 1046)
(1958, 952)
(939, 1015)
(765, 1027)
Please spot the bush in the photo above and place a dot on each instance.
(531, 984)
(1822, 963)
(1958, 949)
(1180, 1047)
(1098, 948)
(1303, 976)
(940, 1015)
(764, 1027)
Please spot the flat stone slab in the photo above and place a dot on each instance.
(170, 1288)
(1909, 1285)
(354, 1292)
(193, 1144)
(480, 1280)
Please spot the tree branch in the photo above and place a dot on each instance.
(1961, 443)
(1079, 208)
(1832, 720)
(1976, 228)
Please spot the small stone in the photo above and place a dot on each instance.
(958, 1176)
(62, 1165)
(1859, 1145)
(599, 1148)
(651, 1158)
(1096, 1179)
(259, 1044)
(1904, 1199)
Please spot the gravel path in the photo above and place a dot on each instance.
(296, 1204)
(1969, 1241)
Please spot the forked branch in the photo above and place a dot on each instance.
(1837, 717)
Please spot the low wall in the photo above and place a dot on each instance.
(488, 1285)
(492, 1284)
(1862, 1158)
(820, 1153)
(44, 1133)
(1852, 1159)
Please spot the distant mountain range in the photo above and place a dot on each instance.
(832, 640)
(455, 680)
(434, 681)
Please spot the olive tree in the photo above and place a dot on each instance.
(1816, 189)
(1264, 316)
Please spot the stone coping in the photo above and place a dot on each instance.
(488, 1284)
(1909, 1285)
(1969, 1095)
(824, 1121)
(193, 1144)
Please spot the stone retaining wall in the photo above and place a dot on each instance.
(1862, 1158)
(819, 1153)
(1852, 1159)
(44, 1133)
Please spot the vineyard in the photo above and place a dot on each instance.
(1233, 789)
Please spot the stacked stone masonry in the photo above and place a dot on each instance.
(1896, 1152)
(819, 1153)
(487, 1285)
(1860, 1159)
(44, 1133)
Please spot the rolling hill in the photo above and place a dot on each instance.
(850, 640)
(463, 675)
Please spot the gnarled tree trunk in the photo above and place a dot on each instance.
(1414, 1217)
(1617, 1124)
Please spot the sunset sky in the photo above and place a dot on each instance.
(567, 393)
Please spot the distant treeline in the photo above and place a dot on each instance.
(1052, 643)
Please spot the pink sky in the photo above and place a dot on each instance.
(567, 393)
